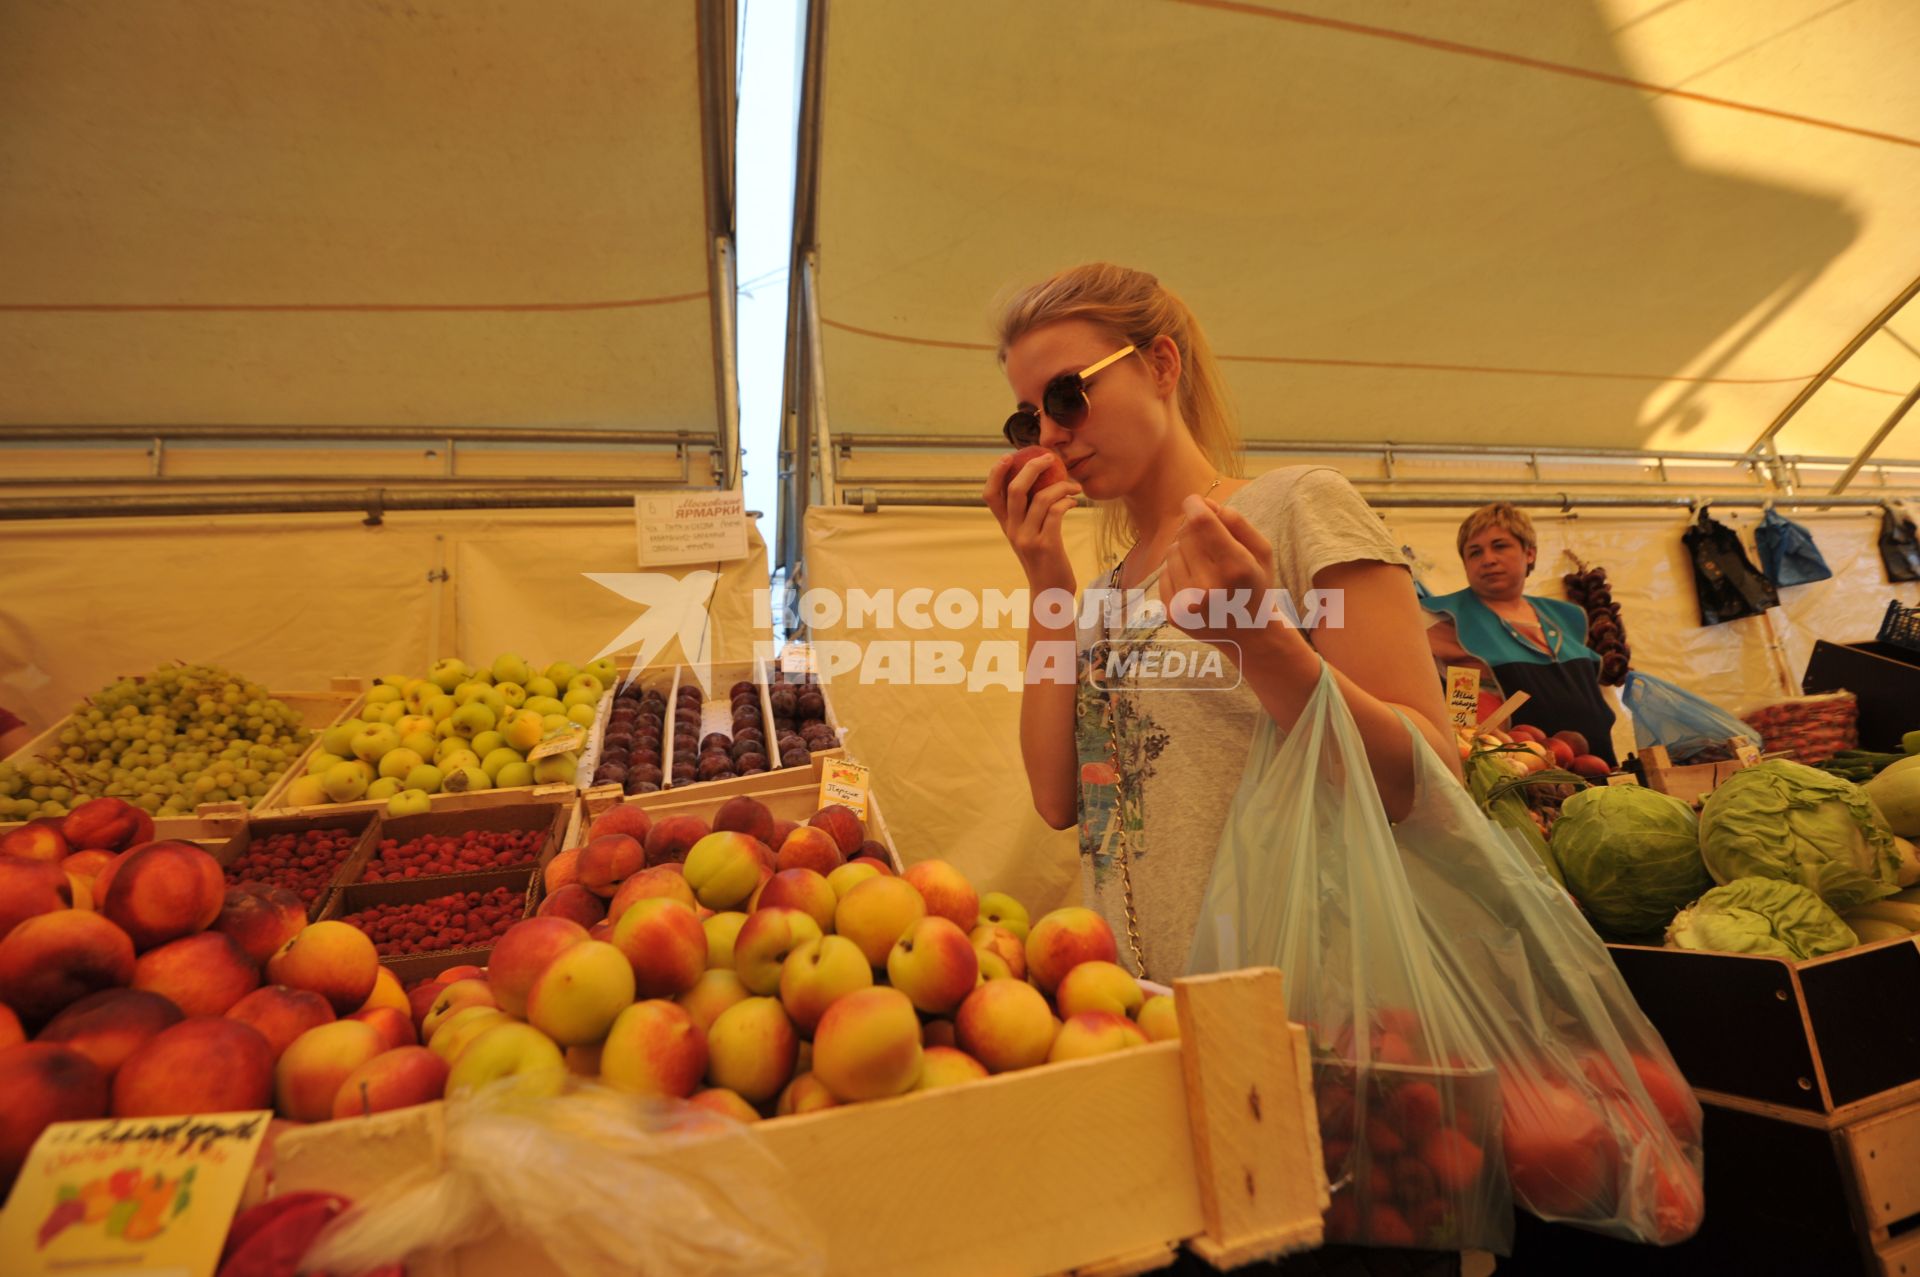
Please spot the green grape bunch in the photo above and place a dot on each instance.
(181, 736)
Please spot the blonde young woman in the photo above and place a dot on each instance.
(1113, 375)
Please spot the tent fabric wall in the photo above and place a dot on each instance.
(312, 212)
(294, 600)
(947, 761)
(1617, 223)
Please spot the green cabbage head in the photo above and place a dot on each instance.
(1761, 915)
(1631, 857)
(1799, 824)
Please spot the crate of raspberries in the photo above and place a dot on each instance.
(453, 915)
(476, 840)
(301, 855)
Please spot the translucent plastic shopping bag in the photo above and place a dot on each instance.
(1688, 725)
(1307, 879)
(1595, 1126)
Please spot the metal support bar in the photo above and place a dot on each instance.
(817, 381)
(1879, 437)
(874, 499)
(10, 435)
(1847, 351)
(725, 342)
(372, 502)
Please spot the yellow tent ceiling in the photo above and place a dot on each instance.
(316, 212)
(1609, 223)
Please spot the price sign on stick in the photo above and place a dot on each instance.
(564, 743)
(844, 782)
(130, 1195)
(1463, 695)
(1743, 749)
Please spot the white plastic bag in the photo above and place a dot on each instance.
(600, 1180)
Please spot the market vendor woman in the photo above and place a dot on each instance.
(1520, 642)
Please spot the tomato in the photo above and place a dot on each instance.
(1413, 1181)
(1383, 1140)
(1454, 1159)
(1679, 1203)
(1415, 1108)
(1560, 1154)
(1672, 1096)
(1343, 1218)
(1388, 1227)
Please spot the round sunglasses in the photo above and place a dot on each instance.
(1064, 399)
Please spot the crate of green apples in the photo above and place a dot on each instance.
(458, 736)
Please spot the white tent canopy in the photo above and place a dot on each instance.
(1640, 224)
(313, 214)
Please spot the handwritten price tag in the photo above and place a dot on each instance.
(798, 658)
(564, 743)
(1746, 753)
(149, 1195)
(690, 527)
(1463, 695)
(844, 782)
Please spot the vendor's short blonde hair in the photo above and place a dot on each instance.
(1501, 514)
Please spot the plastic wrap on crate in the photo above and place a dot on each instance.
(1811, 729)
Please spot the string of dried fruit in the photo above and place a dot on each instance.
(1606, 632)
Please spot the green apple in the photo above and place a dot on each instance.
(391, 713)
(371, 744)
(580, 696)
(556, 769)
(469, 692)
(542, 686)
(416, 691)
(383, 789)
(454, 761)
(585, 683)
(439, 706)
(521, 730)
(559, 674)
(512, 693)
(511, 668)
(462, 780)
(321, 761)
(603, 669)
(412, 723)
(485, 743)
(448, 673)
(494, 759)
(471, 719)
(347, 782)
(383, 693)
(409, 802)
(583, 715)
(514, 775)
(494, 701)
(421, 743)
(426, 778)
(444, 730)
(544, 705)
(338, 738)
(556, 722)
(306, 791)
(398, 762)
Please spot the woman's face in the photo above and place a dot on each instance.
(1129, 404)
(1496, 563)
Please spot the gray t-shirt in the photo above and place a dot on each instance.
(1178, 743)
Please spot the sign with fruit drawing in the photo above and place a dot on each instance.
(130, 1194)
(844, 781)
(690, 527)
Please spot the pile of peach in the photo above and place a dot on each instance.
(760, 988)
(148, 986)
(303, 862)
(461, 920)
(469, 852)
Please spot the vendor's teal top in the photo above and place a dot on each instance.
(1562, 682)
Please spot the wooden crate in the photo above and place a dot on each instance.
(721, 676)
(318, 710)
(1103, 1164)
(360, 822)
(553, 818)
(413, 967)
(791, 793)
(1694, 781)
(276, 802)
(1816, 1036)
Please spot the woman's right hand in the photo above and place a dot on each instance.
(1032, 520)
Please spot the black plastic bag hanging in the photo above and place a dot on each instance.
(1787, 553)
(1899, 547)
(1730, 587)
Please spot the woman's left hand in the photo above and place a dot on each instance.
(1217, 575)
